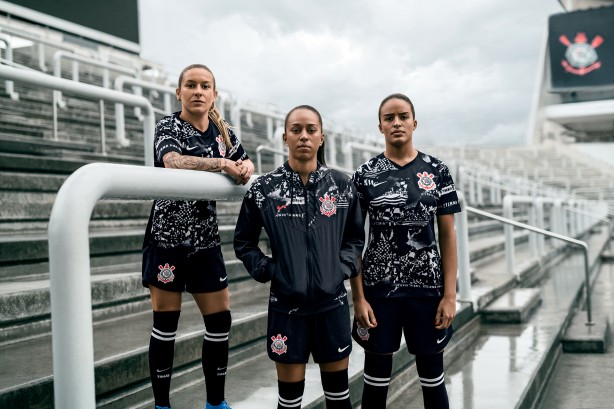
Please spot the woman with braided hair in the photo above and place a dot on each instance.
(181, 250)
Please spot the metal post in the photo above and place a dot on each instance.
(8, 54)
(532, 236)
(539, 222)
(91, 91)
(54, 103)
(567, 239)
(75, 71)
(41, 57)
(69, 264)
(508, 230)
(462, 235)
(103, 142)
(587, 278)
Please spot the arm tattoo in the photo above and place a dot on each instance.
(174, 160)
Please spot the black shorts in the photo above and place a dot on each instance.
(414, 316)
(182, 269)
(326, 335)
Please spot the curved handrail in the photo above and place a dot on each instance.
(69, 262)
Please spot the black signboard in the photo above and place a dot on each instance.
(581, 46)
(119, 18)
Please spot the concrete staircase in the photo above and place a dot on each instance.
(33, 167)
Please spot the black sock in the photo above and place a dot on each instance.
(336, 390)
(290, 394)
(161, 352)
(430, 372)
(215, 354)
(378, 369)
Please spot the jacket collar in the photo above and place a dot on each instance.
(315, 176)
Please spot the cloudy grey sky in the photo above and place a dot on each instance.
(469, 66)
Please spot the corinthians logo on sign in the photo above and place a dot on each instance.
(580, 56)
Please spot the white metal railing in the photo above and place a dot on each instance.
(261, 148)
(348, 151)
(8, 56)
(92, 91)
(463, 245)
(40, 43)
(576, 224)
(76, 58)
(119, 83)
(69, 260)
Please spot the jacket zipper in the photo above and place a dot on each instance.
(308, 245)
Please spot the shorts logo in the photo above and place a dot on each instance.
(279, 344)
(363, 333)
(425, 181)
(221, 145)
(166, 273)
(328, 207)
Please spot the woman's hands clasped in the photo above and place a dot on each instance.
(240, 171)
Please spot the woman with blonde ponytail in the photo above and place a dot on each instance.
(181, 251)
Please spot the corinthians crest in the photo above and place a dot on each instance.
(581, 56)
(425, 181)
(328, 207)
(279, 344)
(166, 274)
(221, 145)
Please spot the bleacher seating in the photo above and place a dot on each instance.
(33, 165)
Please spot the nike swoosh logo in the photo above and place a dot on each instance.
(342, 349)
(163, 370)
(224, 279)
(190, 148)
(439, 341)
(221, 369)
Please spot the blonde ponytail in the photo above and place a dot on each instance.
(216, 117)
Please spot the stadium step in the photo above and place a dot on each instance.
(120, 349)
(583, 380)
(252, 384)
(515, 306)
(508, 364)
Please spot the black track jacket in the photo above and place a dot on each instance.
(315, 233)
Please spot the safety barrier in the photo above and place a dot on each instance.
(69, 257)
(8, 56)
(51, 82)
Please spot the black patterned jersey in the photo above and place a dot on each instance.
(187, 223)
(402, 258)
(316, 236)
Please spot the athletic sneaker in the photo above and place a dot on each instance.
(222, 405)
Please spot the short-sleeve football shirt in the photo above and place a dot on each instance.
(402, 258)
(190, 223)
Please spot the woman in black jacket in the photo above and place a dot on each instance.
(314, 224)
